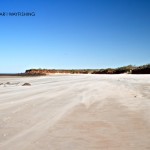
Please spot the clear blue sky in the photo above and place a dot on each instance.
(74, 34)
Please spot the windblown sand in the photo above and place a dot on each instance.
(75, 112)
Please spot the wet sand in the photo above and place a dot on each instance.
(75, 112)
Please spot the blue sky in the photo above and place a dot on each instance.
(74, 34)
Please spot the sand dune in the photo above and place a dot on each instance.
(75, 112)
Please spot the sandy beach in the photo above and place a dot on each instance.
(75, 112)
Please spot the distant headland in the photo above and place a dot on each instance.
(130, 69)
(145, 69)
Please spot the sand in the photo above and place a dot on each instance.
(75, 112)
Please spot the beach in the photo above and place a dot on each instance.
(75, 112)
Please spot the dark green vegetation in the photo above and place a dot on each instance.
(145, 69)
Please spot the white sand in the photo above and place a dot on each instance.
(75, 112)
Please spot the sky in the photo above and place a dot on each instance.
(74, 34)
